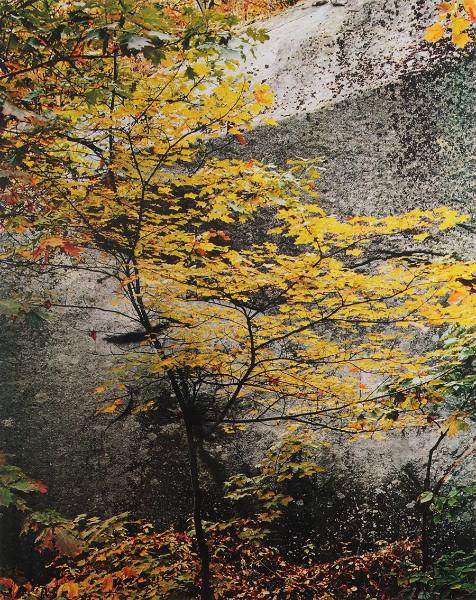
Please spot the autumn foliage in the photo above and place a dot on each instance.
(456, 19)
(137, 562)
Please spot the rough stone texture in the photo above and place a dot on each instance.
(321, 54)
(391, 116)
(394, 124)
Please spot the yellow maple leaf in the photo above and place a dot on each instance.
(263, 94)
(459, 24)
(434, 33)
(201, 69)
(461, 39)
(454, 425)
(269, 121)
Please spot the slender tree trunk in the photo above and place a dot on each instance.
(206, 591)
(426, 521)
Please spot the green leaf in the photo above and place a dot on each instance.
(190, 73)
(6, 497)
(35, 318)
(10, 307)
(426, 497)
(23, 486)
(92, 96)
(153, 54)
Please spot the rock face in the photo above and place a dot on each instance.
(392, 120)
(394, 124)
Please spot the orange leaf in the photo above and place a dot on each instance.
(129, 572)
(128, 280)
(53, 242)
(110, 408)
(445, 7)
(107, 584)
(9, 583)
(220, 233)
(470, 8)
(71, 588)
(455, 297)
(434, 33)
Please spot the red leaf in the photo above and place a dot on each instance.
(71, 250)
(201, 251)
(40, 486)
(37, 252)
(11, 199)
(9, 583)
(47, 541)
(93, 334)
(241, 139)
